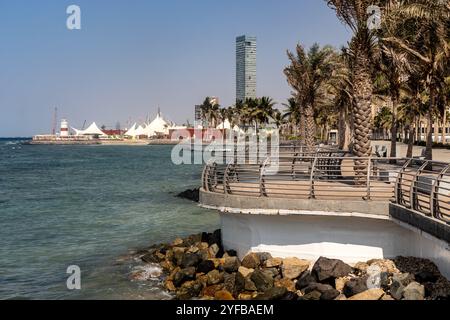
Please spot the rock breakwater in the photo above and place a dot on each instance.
(198, 267)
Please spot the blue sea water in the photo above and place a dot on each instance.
(88, 206)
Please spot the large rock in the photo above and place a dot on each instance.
(223, 295)
(215, 277)
(190, 260)
(183, 275)
(262, 280)
(330, 294)
(210, 291)
(313, 295)
(213, 251)
(414, 291)
(286, 283)
(245, 272)
(439, 290)
(385, 265)
(178, 254)
(274, 262)
(329, 269)
(305, 280)
(371, 294)
(399, 283)
(231, 264)
(275, 293)
(263, 256)
(355, 286)
(414, 265)
(292, 268)
(205, 266)
(188, 290)
(251, 261)
(317, 287)
(229, 283)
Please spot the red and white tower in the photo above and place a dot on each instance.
(64, 128)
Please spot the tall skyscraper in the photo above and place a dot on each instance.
(245, 67)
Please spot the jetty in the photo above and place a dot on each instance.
(330, 203)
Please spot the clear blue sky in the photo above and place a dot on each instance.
(132, 56)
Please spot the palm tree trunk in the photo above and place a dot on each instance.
(394, 127)
(310, 127)
(429, 147)
(362, 114)
(444, 127)
(409, 152)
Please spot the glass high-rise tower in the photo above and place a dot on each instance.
(245, 67)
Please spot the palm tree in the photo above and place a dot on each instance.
(292, 115)
(340, 87)
(428, 45)
(307, 75)
(362, 47)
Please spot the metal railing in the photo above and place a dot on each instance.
(423, 186)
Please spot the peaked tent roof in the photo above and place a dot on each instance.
(140, 131)
(159, 125)
(132, 131)
(93, 129)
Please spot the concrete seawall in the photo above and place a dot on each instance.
(352, 231)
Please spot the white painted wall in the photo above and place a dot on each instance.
(351, 239)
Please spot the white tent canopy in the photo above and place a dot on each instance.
(132, 131)
(140, 131)
(157, 126)
(92, 130)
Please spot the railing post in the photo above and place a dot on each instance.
(369, 168)
(398, 184)
(226, 182)
(413, 194)
(311, 180)
(434, 192)
(262, 187)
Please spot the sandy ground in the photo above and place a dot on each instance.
(438, 154)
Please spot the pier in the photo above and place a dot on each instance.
(328, 203)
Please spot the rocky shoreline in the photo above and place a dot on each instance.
(198, 267)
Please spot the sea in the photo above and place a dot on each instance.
(91, 207)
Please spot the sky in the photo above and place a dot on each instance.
(132, 57)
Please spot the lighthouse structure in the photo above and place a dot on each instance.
(64, 132)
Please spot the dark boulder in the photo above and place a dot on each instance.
(305, 280)
(190, 194)
(326, 270)
(262, 280)
(251, 261)
(426, 276)
(290, 296)
(355, 286)
(231, 264)
(274, 293)
(263, 256)
(231, 253)
(190, 260)
(183, 276)
(399, 283)
(317, 287)
(205, 266)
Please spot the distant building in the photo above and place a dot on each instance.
(245, 67)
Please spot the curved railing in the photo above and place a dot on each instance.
(423, 186)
